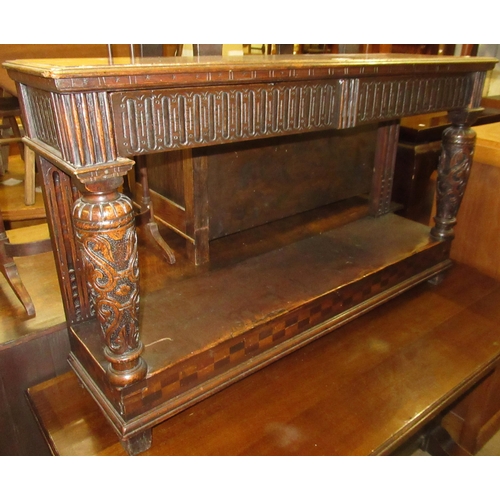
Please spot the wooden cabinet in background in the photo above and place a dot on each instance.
(419, 149)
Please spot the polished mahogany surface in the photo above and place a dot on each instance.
(364, 389)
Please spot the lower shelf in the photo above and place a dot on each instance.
(211, 329)
(366, 388)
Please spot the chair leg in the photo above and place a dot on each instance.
(147, 210)
(4, 149)
(29, 176)
(4, 155)
(9, 269)
(16, 132)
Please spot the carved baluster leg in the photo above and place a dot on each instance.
(453, 172)
(105, 230)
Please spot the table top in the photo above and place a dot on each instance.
(235, 69)
(81, 64)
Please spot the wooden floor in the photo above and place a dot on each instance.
(14, 211)
(278, 410)
(38, 273)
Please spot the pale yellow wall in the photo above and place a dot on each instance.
(492, 86)
(228, 49)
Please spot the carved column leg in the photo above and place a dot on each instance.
(105, 231)
(453, 172)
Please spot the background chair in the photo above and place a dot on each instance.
(11, 133)
(8, 267)
(10, 112)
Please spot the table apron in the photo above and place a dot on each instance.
(149, 121)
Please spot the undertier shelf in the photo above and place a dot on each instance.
(210, 329)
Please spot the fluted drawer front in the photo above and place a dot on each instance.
(159, 120)
(156, 120)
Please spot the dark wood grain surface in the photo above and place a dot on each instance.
(196, 102)
(363, 389)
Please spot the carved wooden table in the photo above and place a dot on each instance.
(209, 327)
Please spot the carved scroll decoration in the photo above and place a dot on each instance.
(453, 174)
(105, 231)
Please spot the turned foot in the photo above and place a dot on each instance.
(138, 443)
(437, 279)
